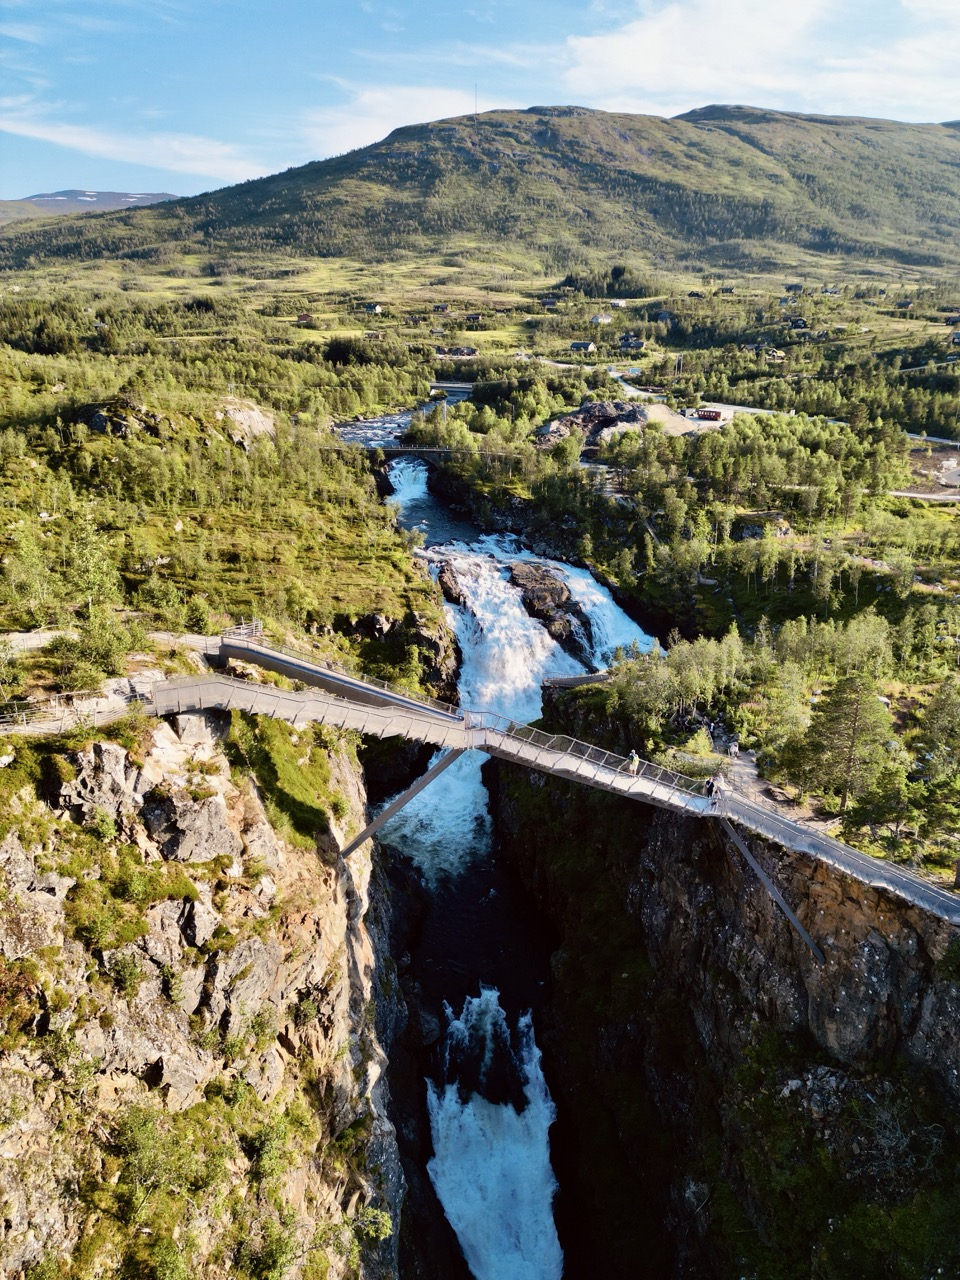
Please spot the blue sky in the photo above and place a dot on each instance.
(190, 95)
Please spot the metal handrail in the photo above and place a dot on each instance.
(57, 718)
(803, 838)
(488, 720)
(258, 640)
(575, 682)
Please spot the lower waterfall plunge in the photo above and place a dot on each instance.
(491, 1111)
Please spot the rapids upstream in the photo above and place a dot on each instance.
(479, 958)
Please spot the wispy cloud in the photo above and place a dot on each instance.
(28, 32)
(177, 152)
(371, 112)
(814, 56)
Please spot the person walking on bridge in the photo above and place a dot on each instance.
(633, 762)
(716, 789)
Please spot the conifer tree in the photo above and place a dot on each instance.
(846, 744)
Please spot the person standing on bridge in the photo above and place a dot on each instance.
(633, 762)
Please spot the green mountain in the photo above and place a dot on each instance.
(720, 187)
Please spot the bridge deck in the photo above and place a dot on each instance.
(349, 702)
(352, 703)
(380, 718)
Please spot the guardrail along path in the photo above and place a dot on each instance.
(372, 707)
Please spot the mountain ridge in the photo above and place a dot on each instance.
(83, 200)
(721, 187)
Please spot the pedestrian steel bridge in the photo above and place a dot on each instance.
(334, 697)
(349, 702)
(372, 707)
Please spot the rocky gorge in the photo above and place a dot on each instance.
(726, 1105)
(192, 1077)
(202, 1006)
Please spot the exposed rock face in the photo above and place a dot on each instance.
(244, 421)
(105, 780)
(123, 416)
(437, 647)
(256, 973)
(453, 593)
(598, 421)
(38, 920)
(190, 829)
(702, 1060)
(439, 656)
(547, 597)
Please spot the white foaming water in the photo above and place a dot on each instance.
(491, 1167)
(611, 627)
(506, 654)
(409, 480)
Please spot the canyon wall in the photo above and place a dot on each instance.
(191, 1076)
(728, 1107)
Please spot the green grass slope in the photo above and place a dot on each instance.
(721, 187)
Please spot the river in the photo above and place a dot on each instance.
(479, 957)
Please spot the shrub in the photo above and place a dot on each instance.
(267, 1148)
(102, 825)
(197, 615)
(126, 974)
(49, 1267)
(271, 1256)
(305, 1011)
(170, 1262)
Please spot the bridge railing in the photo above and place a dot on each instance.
(259, 641)
(490, 720)
(804, 839)
(575, 682)
(56, 717)
(562, 744)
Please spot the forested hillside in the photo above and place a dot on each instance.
(729, 187)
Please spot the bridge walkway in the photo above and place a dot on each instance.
(371, 707)
(388, 711)
(380, 717)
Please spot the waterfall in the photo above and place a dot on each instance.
(490, 1117)
(491, 1167)
(506, 654)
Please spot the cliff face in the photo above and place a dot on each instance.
(190, 1079)
(727, 1106)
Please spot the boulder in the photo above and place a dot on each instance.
(204, 728)
(447, 580)
(190, 830)
(547, 597)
